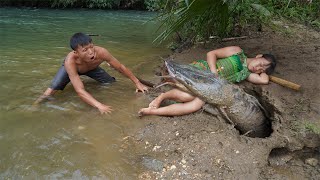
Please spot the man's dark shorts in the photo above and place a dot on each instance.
(62, 79)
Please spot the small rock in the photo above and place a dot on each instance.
(144, 175)
(152, 164)
(164, 170)
(183, 161)
(156, 147)
(218, 161)
(81, 127)
(175, 123)
(237, 152)
(177, 133)
(126, 138)
(311, 161)
(173, 167)
(147, 142)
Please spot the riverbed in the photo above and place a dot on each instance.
(64, 137)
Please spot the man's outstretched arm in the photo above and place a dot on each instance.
(46, 95)
(82, 93)
(125, 71)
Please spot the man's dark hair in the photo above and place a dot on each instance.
(79, 39)
(273, 63)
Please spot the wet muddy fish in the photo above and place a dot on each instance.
(242, 109)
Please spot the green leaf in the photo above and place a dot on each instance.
(261, 9)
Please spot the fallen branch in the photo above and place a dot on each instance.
(234, 38)
(147, 83)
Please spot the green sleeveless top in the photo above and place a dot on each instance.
(233, 68)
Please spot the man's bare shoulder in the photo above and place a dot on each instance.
(70, 63)
(103, 53)
(70, 58)
(100, 49)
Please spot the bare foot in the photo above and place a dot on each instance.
(156, 103)
(145, 111)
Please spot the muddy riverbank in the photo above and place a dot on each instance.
(202, 146)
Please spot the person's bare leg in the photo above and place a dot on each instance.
(174, 109)
(49, 92)
(174, 94)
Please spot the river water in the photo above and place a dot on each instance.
(66, 138)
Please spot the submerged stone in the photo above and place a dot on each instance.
(152, 164)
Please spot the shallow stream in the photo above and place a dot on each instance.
(64, 137)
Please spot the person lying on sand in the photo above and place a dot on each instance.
(229, 63)
(85, 60)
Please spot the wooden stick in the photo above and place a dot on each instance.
(93, 35)
(234, 38)
(285, 83)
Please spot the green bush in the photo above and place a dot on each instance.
(101, 4)
(305, 11)
(200, 19)
(152, 5)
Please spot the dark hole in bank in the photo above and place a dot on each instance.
(283, 156)
(264, 130)
(261, 128)
(279, 156)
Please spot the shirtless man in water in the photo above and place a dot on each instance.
(85, 60)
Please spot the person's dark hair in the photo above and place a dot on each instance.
(79, 39)
(273, 63)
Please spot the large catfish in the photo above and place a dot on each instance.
(242, 109)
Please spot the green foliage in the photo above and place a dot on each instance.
(62, 3)
(312, 127)
(105, 4)
(196, 17)
(100, 4)
(153, 5)
(203, 18)
(306, 11)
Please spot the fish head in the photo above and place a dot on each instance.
(203, 84)
(188, 75)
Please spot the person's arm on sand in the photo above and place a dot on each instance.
(125, 71)
(79, 88)
(261, 78)
(213, 55)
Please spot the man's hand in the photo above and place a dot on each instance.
(104, 109)
(141, 87)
